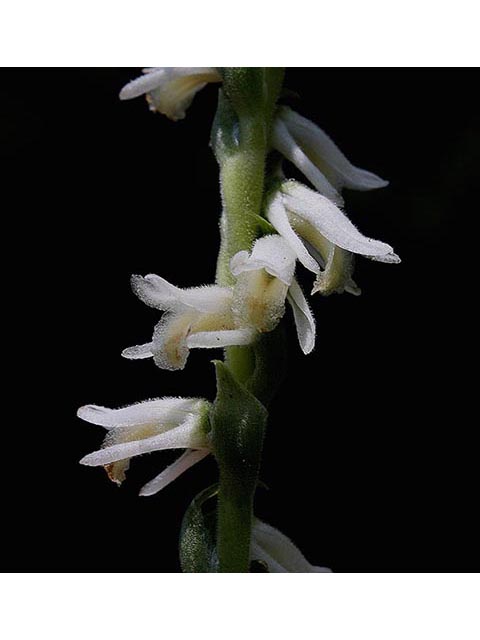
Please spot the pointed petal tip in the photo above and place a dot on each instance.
(387, 258)
(308, 348)
(86, 460)
(367, 181)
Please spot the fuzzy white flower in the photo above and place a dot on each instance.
(265, 279)
(170, 90)
(315, 154)
(154, 425)
(322, 237)
(278, 552)
(199, 317)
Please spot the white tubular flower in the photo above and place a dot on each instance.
(170, 90)
(304, 219)
(200, 317)
(315, 154)
(154, 425)
(265, 279)
(278, 552)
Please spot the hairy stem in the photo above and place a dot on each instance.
(240, 140)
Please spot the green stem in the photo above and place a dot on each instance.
(235, 514)
(240, 140)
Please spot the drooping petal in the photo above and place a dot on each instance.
(170, 90)
(188, 435)
(284, 142)
(173, 471)
(138, 352)
(142, 413)
(216, 339)
(277, 216)
(325, 154)
(304, 320)
(157, 292)
(332, 223)
(271, 253)
(278, 551)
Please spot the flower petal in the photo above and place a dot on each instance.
(155, 77)
(151, 80)
(277, 216)
(149, 412)
(157, 292)
(325, 154)
(271, 253)
(172, 472)
(279, 552)
(328, 220)
(216, 339)
(188, 435)
(304, 320)
(138, 352)
(170, 90)
(283, 141)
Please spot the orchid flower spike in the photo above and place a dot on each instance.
(200, 317)
(265, 279)
(278, 552)
(170, 90)
(154, 425)
(322, 237)
(315, 154)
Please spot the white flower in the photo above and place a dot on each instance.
(265, 279)
(322, 237)
(170, 90)
(316, 155)
(278, 552)
(154, 425)
(197, 317)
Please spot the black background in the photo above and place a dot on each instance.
(370, 458)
